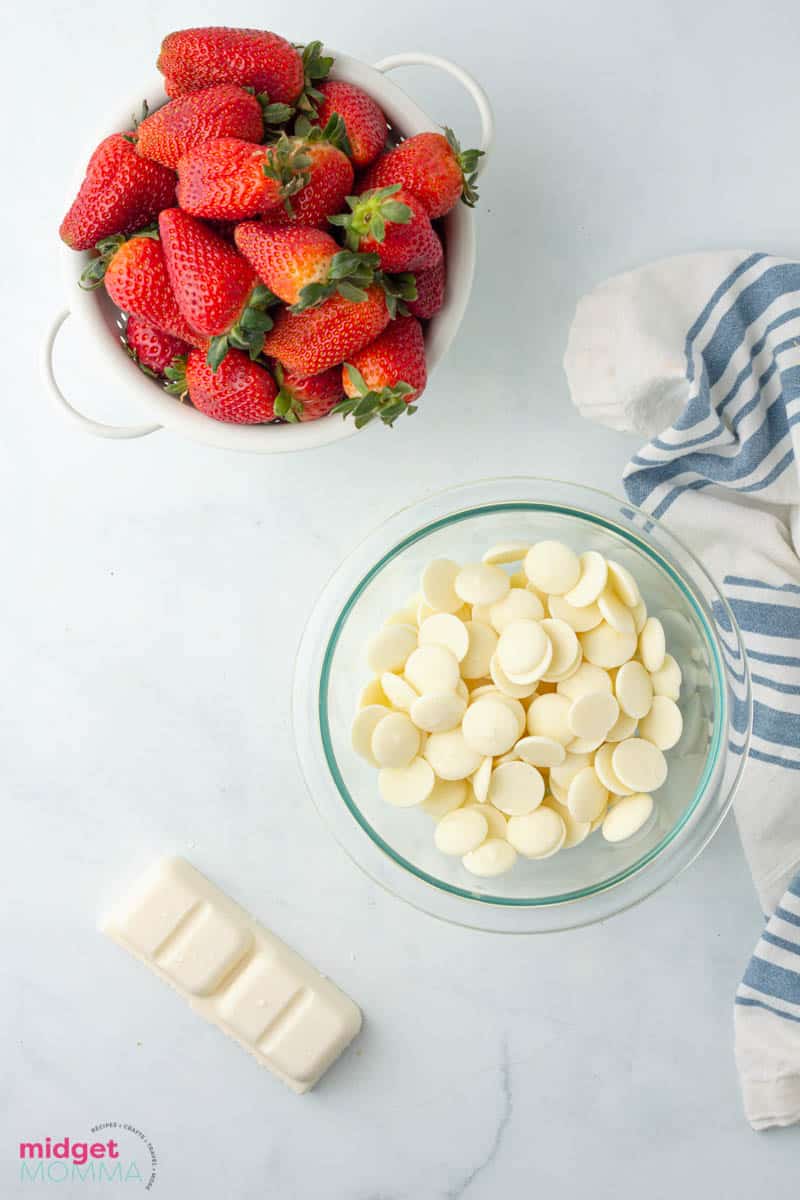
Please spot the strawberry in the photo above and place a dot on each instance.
(134, 271)
(330, 178)
(150, 348)
(393, 224)
(306, 398)
(120, 193)
(303, 266)
(430, 291)
(309, 342)
(432, 166)
(363, 119)
(217, 290)
(240, 391)
(225, 179)
(197, 58)
(215, 112)
(386, 377)
(326, 173)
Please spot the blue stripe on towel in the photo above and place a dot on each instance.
(772, 980)
(789, 689)
(781, 943)
(773, 725)
(784, 914)
(776, 760)
(724, 287)
(773, 620)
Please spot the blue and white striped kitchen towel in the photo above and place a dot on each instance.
(702, 354)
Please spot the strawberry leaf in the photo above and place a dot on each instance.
(217, 349)
(316, 68)
(256, 345)
(335, 132)
(273, 114)
(136, 121)
(394, 211)
(262, 297)
(348, 273)
(377, 227)
(175, 375)
(370, 214)
(288, 406)
(310, 296)
(248, 332)
(356, 379)
(94, 272)
(255, 319)
(397, 289)
(388, 403)
(286, 163)
(468, 162)
(351, 292)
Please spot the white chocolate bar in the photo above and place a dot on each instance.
(235, 973)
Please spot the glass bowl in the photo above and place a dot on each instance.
(594, 880)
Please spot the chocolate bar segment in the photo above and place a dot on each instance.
(235, 973)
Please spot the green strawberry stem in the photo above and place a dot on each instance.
(287, 164)
(94, 272)
(398, 288)
(287, 406)
(288, 160)
(248, 332)
(468, 161)
(334, 131)
(388, 403)
(316, 68)
(369, 214)
(175, 375)
(272, 114)
(136, 122)
(348, 274)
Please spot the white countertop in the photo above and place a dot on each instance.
(154, 594)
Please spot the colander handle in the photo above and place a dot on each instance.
(464, 78)
(86, 423)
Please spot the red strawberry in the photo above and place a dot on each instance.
(363, 119)
(303, 266)
(240, 391)
(326, 174)
(311, 341)
(217, 290)
(386, 377)
(197, 58)
(121, 192)
(393, 224)
(330, 178)
(430, 292)
(150, 348)
(135, 275)
(306, 398)
(225, 179)
(432, 166)
(215, 112)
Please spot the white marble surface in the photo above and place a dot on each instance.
(154, 593)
